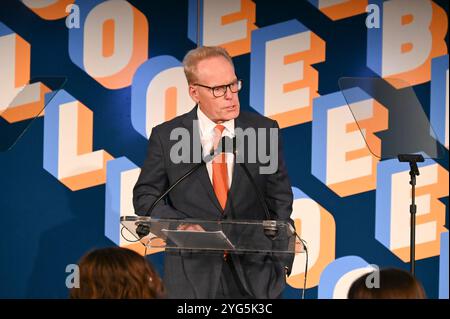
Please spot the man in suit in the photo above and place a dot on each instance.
(218, 190)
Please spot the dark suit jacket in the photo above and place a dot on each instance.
(196, 275)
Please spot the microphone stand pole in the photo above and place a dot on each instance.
(412, 159)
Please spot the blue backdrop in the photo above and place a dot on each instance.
(46, 225)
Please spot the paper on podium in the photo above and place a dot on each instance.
(199, 239)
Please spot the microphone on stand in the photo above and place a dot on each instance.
(269, 225)
(226, 145)
(143, 230)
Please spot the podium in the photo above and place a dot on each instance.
(253, 256)
(233, 236)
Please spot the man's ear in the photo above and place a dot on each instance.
(193, 92)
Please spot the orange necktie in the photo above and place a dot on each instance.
(219, 168)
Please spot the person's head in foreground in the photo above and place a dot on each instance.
(115, 272)
(394, 283)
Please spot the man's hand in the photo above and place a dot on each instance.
(298, 246)
(191, 227)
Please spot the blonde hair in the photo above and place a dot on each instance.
(193, 57)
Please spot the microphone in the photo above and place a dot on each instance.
(269, 225)
(226, 145)
(143, 230)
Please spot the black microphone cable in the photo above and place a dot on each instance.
(131, 240)
(128, 240)
(306, 262)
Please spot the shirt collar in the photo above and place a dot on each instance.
(207, 126)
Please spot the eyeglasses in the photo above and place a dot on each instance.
(221, 90)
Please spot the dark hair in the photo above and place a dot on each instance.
(114, 273)
(394, 284)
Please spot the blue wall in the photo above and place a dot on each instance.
(46, 226)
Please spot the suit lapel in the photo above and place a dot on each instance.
(202, 172)
(237, 172)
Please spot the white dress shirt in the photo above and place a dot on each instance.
(206, 129)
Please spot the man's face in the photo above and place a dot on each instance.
(212, 72)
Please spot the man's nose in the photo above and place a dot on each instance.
(228, 94)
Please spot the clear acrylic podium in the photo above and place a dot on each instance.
(207, 235)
